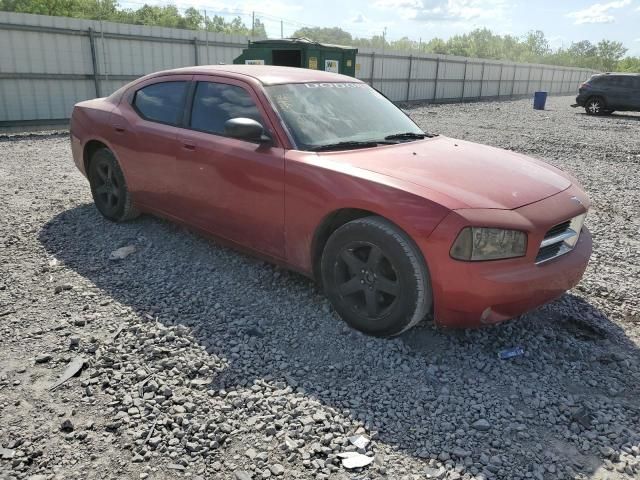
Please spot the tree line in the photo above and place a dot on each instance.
(534, 47)
(152, 15)
(606, 55)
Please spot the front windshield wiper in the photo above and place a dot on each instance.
(351, 144)
(409, 136)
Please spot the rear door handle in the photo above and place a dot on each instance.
(118, 129)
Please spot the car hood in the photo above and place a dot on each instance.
(477, 175)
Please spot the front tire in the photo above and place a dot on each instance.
(375, 277)
(108, 187)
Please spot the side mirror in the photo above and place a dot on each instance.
(246, 129)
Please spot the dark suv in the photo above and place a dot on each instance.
(604, 93)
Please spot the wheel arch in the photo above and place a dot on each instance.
(337, 218)
(91, 147)
(596, 95)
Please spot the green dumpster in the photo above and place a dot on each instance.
(300, 52)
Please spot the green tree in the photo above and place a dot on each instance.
(536, 44)
(629, 64)
(91, 9)
(334, 35)
(436, 45)
(164, 16)
(194, 19)
(610, 53)
(582, 49)
(259, 29)
(404, 43)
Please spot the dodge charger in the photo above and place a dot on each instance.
(322, 174)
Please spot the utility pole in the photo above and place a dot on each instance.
(384, 41)
(420, 45)
(253, 23)
(206, 34)
(104, 50)
(281, 29)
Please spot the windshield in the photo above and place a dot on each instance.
(321, 114)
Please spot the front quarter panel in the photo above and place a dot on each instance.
(314, 191)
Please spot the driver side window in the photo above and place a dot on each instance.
(215, 103)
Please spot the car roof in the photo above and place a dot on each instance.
(617, 74)
(265, 74)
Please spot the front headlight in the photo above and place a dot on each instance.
(475, 243)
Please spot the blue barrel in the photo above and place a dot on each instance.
(539, 100)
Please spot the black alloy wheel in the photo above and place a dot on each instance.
(366, 279)
(108, 187)
(376, 277)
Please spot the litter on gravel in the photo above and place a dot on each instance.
(510, 353)
(359, 441)
(122, 252)
(352, 460)
(73, 369)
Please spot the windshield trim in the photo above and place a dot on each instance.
(283, 124)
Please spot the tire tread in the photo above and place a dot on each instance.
(129, 212)
(420, 271)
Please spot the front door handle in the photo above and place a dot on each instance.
(188, 144)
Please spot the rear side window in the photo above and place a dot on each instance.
(627, 82)
(161, 102)
(621, 81)
(215, 103)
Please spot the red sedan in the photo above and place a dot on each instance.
(322, 174)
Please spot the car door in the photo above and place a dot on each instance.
(620, 92)
(145, 131)
(233, 188)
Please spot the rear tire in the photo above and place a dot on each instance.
(108, 187)
(595, 106)
(375, 277)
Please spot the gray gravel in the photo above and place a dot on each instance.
(200, 362)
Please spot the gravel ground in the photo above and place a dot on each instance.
(200, 362)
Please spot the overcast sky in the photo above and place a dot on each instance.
(563, 21)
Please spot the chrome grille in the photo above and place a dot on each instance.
(560, 239)
(556, 229)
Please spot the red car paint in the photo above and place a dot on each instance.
(273, 200)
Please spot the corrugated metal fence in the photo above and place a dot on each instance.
(47, 64)
(446, 78)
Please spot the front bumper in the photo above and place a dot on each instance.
(489, 294)
(472, 294)
(77, 151)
